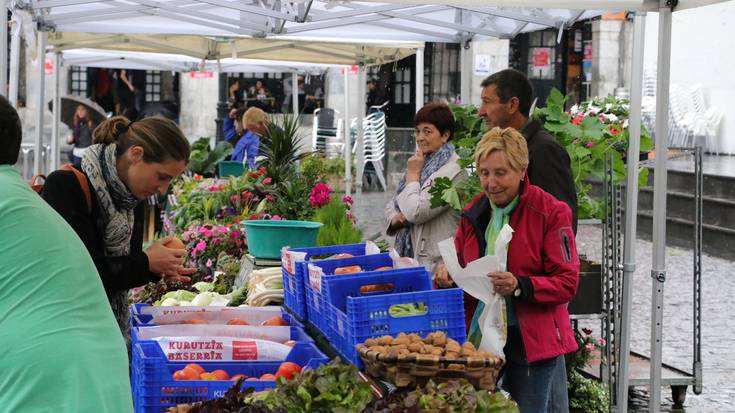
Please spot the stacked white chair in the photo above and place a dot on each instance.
(327, 133)
(374, 131)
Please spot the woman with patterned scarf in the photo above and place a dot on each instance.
(128, 162)
(409, 216)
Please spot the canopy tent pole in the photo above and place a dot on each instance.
(361, 79)
(419, 78)
(658, 270)
(295, 93)
(3, 47)
(57, 112)
(465, 73)
(14, 60)
(38, 168)
(631, 205)
(347, 132)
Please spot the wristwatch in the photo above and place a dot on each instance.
(517, 292)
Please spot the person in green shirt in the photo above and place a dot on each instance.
(60, 347)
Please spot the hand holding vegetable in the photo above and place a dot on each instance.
(442, 277)
(167, 261)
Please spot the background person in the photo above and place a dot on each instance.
(128, 162)
(255, 122)
(81, 137)
(542, 268)
(60, 348)
(416, 225)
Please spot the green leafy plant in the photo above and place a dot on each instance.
(280, 147)
(592, 131)
(203, 160)
(339, 224)
(587, 395)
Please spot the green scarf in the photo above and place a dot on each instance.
(500, 217)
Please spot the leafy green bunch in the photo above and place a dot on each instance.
(331, 388)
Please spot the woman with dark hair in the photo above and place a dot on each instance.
(128, 162)
(416, 225)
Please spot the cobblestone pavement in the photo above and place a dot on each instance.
(718, 288)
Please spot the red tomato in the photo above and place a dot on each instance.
(199, 369)
(237, 377)
(221, 375)
(288, 370)
(343, 255)
(252, 379)
(208, 376)
(347, 270)
(383, 268)
(268, 377)
(186, 374)
(237, 322)
(193, 321)
(275, 321)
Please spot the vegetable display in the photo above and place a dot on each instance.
(437, 344)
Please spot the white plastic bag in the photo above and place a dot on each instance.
(474, 281)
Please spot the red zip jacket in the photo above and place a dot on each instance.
(542, 255)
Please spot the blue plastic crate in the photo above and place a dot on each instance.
(369, 317)
(137, 319)
(294, 295)
(154, 389)
(316, 315)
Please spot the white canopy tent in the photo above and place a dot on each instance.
(444, 20)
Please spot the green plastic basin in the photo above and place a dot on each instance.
(230, 168)
(266, 237)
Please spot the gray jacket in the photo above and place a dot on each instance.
(430, 225)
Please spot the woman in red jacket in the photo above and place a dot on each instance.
(542, 271)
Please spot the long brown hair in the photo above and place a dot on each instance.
(77, 118)
(159, 137)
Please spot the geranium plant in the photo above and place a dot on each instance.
(206, 243)
(589, 132)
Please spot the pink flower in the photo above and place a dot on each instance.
(601, 341)
(235, 198)
(277, 218)
(222, 230)
(247, 195)
(209, 263)
(214, 188)
(269, 198)
(201, 246)
(320, 194)
(577, 119)
(590, 347)
(267, 180)
(614, 131)
(589, 144)
(347, 200)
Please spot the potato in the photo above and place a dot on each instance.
(399, 346)
(378, 349)
(393, 351)
(452, 348)
(455, 367)
(415, 347)
(437, 351)
(440, 340)
(415, 338)
(371, 342)
(467, 352)
(452, 342)
(402, 340)
(404, 352)
(451, 355)
(385, 340)
(402, 335)
(468, 345)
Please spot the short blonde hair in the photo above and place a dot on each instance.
(507, 140)
(254, 116)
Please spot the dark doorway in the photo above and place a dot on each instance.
(542, 59)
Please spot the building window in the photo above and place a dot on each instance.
(441, 74)
(152, 86)
(78, 81)
(541, 55)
